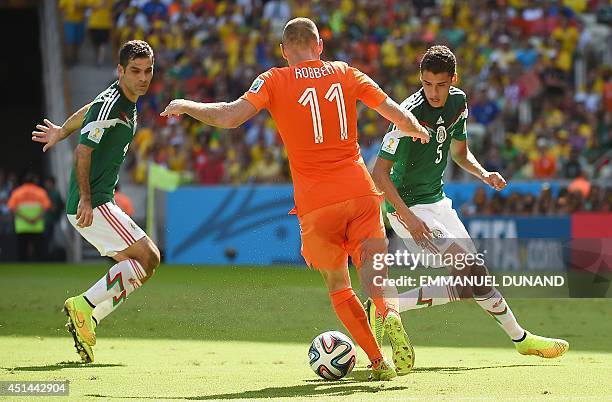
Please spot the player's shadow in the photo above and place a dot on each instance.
(61, 366)
(355, 383)
(451, 369)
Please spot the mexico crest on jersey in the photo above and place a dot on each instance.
(441, 134)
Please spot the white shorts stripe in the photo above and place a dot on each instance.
(111, 231)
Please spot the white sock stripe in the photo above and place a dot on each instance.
(450, 293)
(134, 268)
(143, 273)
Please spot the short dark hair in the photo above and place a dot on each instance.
(300, 32)
(134, 49)
(439, 59)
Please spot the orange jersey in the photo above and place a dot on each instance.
(314, 106)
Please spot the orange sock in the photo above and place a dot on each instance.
(353, 316)
(383, 306)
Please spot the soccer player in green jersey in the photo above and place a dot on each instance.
(107, 125)
(410, 174)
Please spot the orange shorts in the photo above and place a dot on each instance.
(353, 227)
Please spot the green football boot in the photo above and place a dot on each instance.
(540, 346)
(403, 352)
(375, 320)
(84, 350)
(79, 313)
(382, 371)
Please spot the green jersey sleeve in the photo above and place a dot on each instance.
(100, 117)
(390, 143)
(460, 126)
(93, 129)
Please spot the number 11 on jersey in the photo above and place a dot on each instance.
(309, 97)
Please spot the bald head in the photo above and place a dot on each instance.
(300, 33)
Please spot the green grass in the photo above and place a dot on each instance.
(243, 333)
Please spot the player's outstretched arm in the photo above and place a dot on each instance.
(50, 134)
(219, 114)
(403, 119)
(417, 228)
(463, 157)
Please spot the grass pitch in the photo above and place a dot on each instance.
(219, 333)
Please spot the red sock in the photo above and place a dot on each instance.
(353, 316)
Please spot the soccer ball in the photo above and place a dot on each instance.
(332, 355)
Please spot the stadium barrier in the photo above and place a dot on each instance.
(237, 225)
(251, 225)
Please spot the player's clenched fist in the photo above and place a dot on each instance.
(175, 108)
(495, 180)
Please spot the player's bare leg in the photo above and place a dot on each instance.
(350, 311)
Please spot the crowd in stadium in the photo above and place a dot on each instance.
(515, 62)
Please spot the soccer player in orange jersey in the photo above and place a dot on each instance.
(313, 103)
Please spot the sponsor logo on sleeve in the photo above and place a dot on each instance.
(390, 144)
(95, 134)
(257, 84)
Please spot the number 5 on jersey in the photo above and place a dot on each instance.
(309, 97)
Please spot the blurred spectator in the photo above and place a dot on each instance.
(155, 10)
(493, 161)
(545, 203)
(580, 195)
(73, 12)
(580, 185)
(478, 203)
(572, 167)
(369, 148)
(28, 203)
(594, 199)
(210, 167)
(267, 169)
(516, 62)
(544, 165)
(99, 24)
(123, 201)
(484, 110)
(52, 216)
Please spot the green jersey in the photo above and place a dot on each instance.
(418, 168)
(108, 128)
